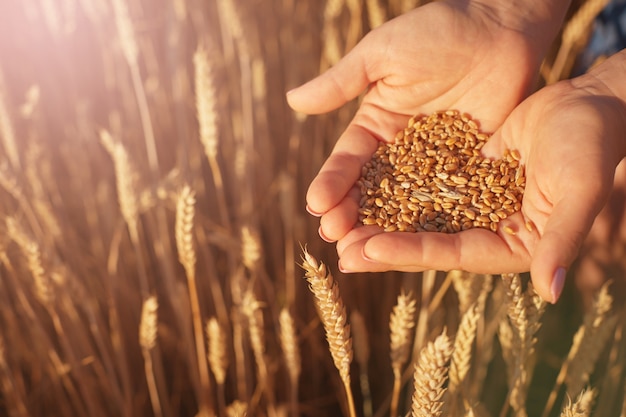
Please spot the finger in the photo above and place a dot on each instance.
(361, 233)
(563, 235)
(342, 169)
(335, 87)
(338, 221)
(475, 250)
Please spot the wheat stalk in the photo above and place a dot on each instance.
(401, 324)
(361, 346)
(332, 313)
(430, 375)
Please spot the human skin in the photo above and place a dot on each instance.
(469, 67)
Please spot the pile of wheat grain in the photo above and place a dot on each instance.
(433, 178)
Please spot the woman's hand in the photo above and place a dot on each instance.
(444, 55)
(571, 136)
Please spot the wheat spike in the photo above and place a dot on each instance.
(125, 178)
(589, 341)
(237, 409)
(206, 102)
(32, 252)
(218, 355)
(148, 324)
(401, 325)
(185, 213)
(7, 131)
(289, 344)
(332, 312)
(581, 407)
(525, 309)
(462, 354)
(125, 31)
(431, 373)
(376, 13)
(250, 248)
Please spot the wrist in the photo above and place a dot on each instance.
(537, 21)
(606, 81)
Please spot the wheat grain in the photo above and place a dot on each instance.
(433, 178)
(430, 375)
(332, 313)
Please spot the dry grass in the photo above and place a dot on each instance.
(151, 202)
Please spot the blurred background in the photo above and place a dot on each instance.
(152, 178)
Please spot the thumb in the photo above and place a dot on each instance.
(563, 235)
(335, 87)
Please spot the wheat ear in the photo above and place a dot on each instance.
(147, 339)
(206, 111)
(291, 352)
(525, 309)
(586, 347)
(462, 355)
(7, 131)
(251, 309)
(217, 357)
(429, 377)
(581, 407)
(185, 213)
(332, 313)
(401, 325)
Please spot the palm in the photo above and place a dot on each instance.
(570, 144)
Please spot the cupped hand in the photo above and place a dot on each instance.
(444, 55)
(571, 138)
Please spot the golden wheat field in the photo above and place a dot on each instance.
(156, 258)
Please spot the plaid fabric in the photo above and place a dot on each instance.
(608, 35)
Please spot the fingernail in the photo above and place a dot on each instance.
(364, 255)
(558, 280)
(323, 236)
(312, 213)
(342, 269)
